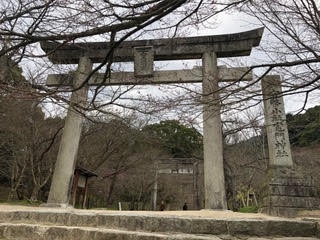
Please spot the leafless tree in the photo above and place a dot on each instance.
(116, 151)
(43, 147)
(294, 24)
(294, 39)
(24, 24)
(290, 48)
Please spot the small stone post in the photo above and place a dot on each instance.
(155, 188)
(64, 169)
(214, 182)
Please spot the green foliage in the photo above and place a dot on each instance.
(249, 209)
(177, 139)
(304, 129)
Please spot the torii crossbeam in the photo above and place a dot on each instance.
(159, 77)
(225, 45)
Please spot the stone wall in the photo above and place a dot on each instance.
(288, 192)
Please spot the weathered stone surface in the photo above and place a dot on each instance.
(275, 121)
(290, 180)
(287, 193)
(227, 45)
(159, 77)
(288, 206)
(258, 238)
(248, 228)
(279, 211)
(46, 232)
(64, 168)
(149, 224)
(292, 228)
(295, 191)
(271, 228)
(214, 183)
(283, 238)
(143, 61)
(296, 202)
(202, 226)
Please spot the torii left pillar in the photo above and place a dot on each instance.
(64, 169)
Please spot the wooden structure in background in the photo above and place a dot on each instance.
(80, 185)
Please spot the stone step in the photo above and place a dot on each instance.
(147, 222)
(21, 231)
(48, 232)
(284, 238)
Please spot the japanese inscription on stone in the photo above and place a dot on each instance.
(275, 119)
(143, 61)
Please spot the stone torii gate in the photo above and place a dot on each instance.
(143, 53)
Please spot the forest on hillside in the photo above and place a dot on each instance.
(29, 143)
(304, 129)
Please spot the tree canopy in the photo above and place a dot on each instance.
(177, 139)
(304, 129)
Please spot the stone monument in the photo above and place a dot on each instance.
(287, 192)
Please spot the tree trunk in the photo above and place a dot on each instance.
(12, 194)
(35, 193)
(111, 187)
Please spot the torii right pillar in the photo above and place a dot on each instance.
(214, 184)
(287, 192)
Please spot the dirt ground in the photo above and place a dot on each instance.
(192, 214)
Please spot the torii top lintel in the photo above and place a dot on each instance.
(226, 45)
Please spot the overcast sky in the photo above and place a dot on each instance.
(238, 22)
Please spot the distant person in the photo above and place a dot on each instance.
(185, 206)
(162, 206)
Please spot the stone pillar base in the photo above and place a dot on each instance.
(287, 193)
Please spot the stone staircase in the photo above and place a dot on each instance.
(63, 224)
